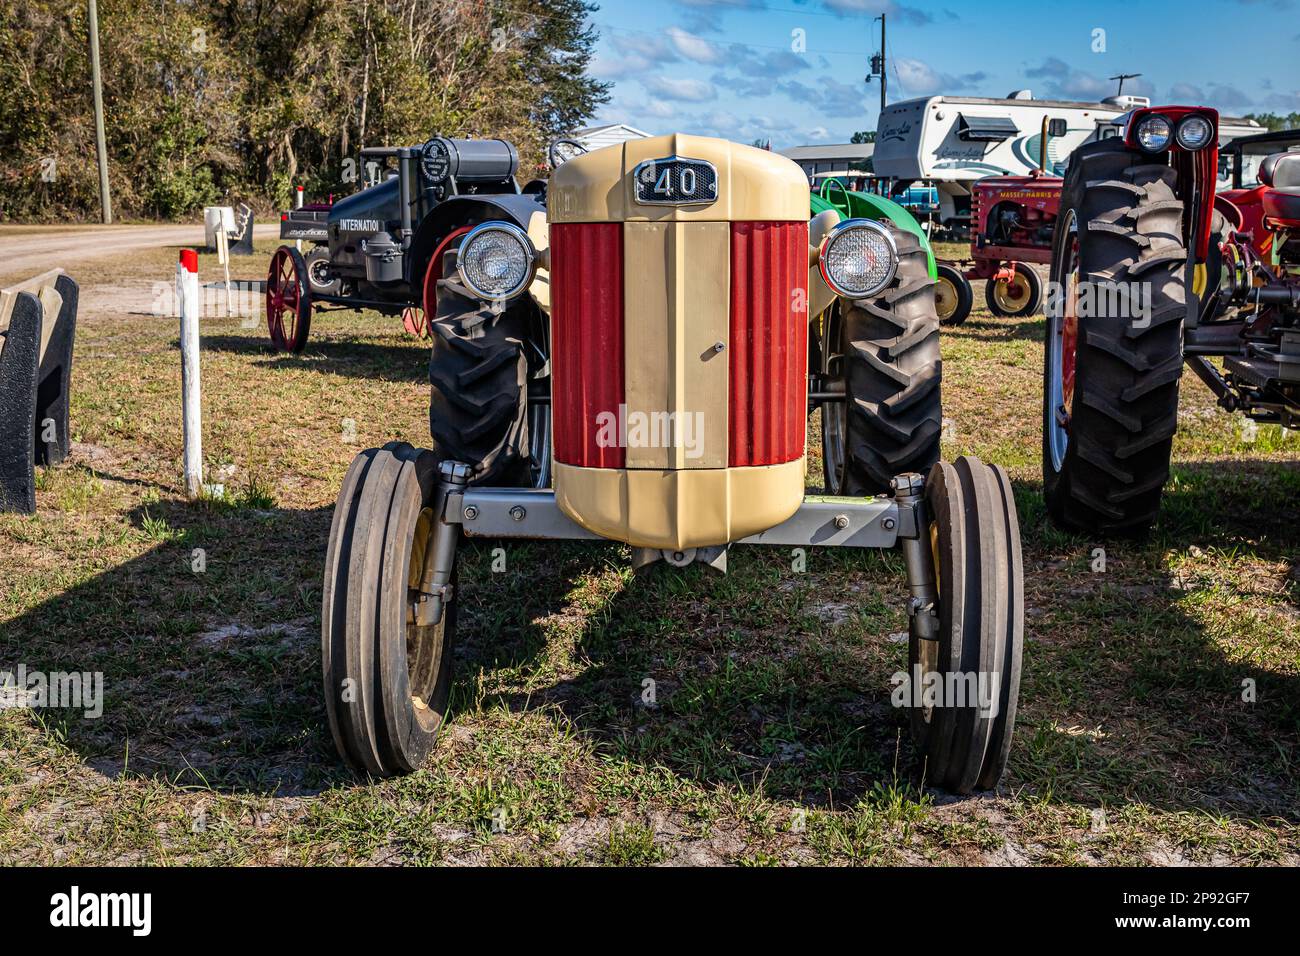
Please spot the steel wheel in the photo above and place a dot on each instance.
(415, 320)
(834, 420)
(288, 300)
(539, 445)
(1062, 346)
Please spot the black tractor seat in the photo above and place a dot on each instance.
(1280, 172)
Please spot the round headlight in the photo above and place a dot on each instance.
(1194, 132)
(858, 258)
(1153, 133)
(496, 261)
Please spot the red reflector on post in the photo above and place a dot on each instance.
(189, 260)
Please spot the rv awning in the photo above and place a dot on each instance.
(985, 129)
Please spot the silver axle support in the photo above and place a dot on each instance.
(440, 557)
(914, 539)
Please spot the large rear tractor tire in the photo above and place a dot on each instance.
(479, 368)
(386, 679)
(964, 736)
(1110, 381)
(884, 354)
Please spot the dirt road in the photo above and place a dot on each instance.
(27, 250)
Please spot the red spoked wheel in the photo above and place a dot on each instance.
(416, 321)
(436, 271)
(288, 300)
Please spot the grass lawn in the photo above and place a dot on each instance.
(771, 739)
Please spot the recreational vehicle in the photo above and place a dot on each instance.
(955, 140)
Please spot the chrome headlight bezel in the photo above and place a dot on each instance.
(838, 233)
(1146, 125)
(525, 244)
(1193, 120)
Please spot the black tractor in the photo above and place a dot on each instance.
(373, 249)
(394, 248)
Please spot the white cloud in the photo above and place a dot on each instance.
(680, 88)
(693, 47)
(818, 133)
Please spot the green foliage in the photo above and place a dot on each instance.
(243, 99)
(1273, 122)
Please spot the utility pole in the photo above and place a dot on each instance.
(1122, 77)
(883, 77)
(878, 64)
(105, 202)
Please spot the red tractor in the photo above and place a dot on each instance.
(1153, 268)
(1013, 218)
(1012, 222)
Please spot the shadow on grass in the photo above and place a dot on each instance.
(1135, 682)
(350, 357)
(763, 679)
(991, 329)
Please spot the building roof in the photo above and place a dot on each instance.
(610, 128)
(835, 151)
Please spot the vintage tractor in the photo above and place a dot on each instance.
(681, 282)
(392, 248)
(1013, 219)
(373, 249)
(1152, 269)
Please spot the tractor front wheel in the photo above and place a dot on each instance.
(1015, 297)
(963, 686)
(323, 281)
(953, 296)
(387, 677)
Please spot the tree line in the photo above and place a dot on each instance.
(217, 101)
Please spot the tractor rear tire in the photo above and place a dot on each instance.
(887, 348)
(974, 535)
(479, 372)
(1107, 442)
(954, 295)
(386, 680)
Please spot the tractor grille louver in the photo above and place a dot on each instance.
(587, 339)
(767, 348)
(767, 401)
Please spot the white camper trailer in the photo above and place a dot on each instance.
(955, 140)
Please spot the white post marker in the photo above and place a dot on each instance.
(297, 204)
(223, 257)
(187, 295)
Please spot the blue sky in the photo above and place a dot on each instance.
(730, 68)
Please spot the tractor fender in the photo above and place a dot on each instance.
(856, 205)
(458, 211)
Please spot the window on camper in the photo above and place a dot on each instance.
(986, 129)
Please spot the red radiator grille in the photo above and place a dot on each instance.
(587, 338)
(767, 401)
